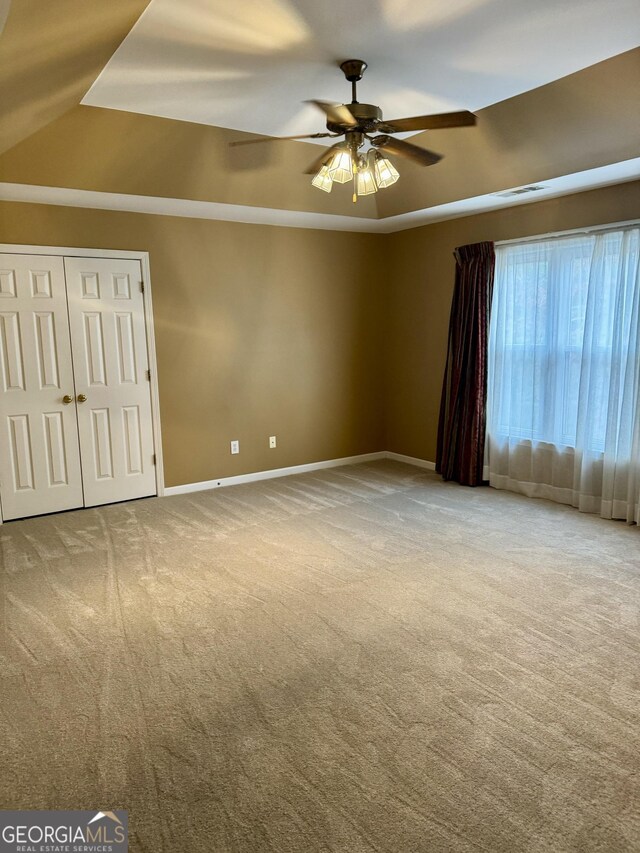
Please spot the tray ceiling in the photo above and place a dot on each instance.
(250, 65)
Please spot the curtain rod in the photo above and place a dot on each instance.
(612, 226)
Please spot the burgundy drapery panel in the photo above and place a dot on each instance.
(461, 427)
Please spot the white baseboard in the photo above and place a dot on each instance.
(273, 473)
(297, 469)
(411, 460)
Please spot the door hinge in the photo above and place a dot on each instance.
(142, 287)
(149, 375)
(153, 459)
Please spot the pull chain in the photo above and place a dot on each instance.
(355, 176)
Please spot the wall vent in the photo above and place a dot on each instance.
(520, 191)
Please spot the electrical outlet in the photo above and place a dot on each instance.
(235, 447)
(272, 441)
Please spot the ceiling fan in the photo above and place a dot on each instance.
(361, 123)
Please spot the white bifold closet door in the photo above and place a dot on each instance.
(110, 363)
(75, 404)
(39, 455)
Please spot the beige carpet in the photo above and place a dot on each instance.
(362, 659)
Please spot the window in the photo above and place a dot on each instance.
(563, 355)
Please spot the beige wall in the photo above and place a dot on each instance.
(51, 51)
(334, 342)
(260, 331)
(90, 148)
(422, 286)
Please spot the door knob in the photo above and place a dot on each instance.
(67, 399)
(81, 398)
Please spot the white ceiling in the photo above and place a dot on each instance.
(249, 64)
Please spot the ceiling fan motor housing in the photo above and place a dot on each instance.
(367, 116)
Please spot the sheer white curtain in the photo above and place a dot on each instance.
(563, 405)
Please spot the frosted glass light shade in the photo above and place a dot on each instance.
(365, 181)
(323, 180)
(340, 166)
(384, 171)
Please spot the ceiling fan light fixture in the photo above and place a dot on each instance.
(360, 124)
(323, 180)
(365, 180)
(385, 172)
(341, 166)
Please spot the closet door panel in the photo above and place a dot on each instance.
(39, 449)
(108, 335)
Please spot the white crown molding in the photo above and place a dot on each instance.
(615, 173)
(182, 207)
(591, 179)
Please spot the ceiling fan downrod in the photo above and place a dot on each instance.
(353, 69)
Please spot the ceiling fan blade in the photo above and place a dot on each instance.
(406, 149)
(319, 162)
(278, 138)
(336, 113)
(434, 122)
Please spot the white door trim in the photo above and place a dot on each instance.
(143, 257)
